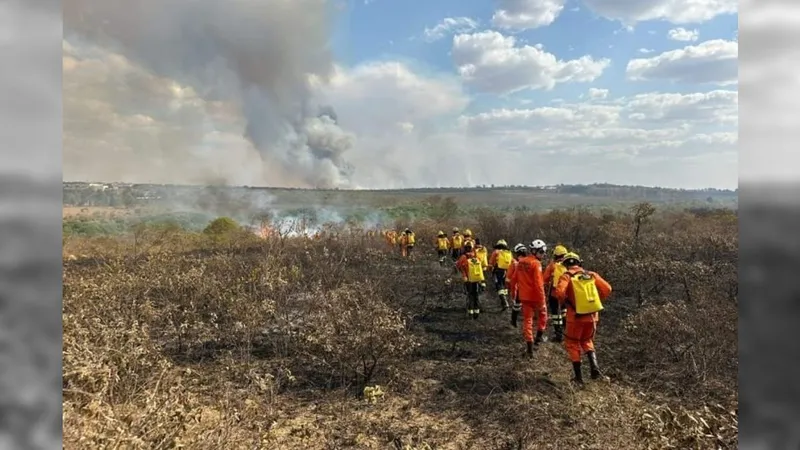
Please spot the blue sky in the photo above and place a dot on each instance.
(391, 29)
(533, 92)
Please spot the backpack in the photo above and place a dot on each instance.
(587, 298)
(558, 270)
(458, 241)
(482, 254)
(411, 239)
(474, 270)
(441, 243)
(504, 259)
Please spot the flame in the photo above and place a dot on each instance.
(300, 229)
(265, 231)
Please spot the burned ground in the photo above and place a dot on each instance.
(243, 342)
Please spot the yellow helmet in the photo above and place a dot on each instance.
(455, 229)
(441, 233)
(467, 232)
(559, 250)
(572, 259)
(502, 242)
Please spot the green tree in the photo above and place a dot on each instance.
(127, 197)
(220, 227)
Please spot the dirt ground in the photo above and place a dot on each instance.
(465, 384)
(473, 387)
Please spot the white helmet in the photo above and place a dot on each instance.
(538, 246)
(520, 248)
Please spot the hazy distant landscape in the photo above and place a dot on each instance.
(194, 206)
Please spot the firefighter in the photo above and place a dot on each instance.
(552, 274)
(499, 263)
(473, 277)
(582, 292)
(442, 245)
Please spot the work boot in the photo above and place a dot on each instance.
(559, 334)
(529, 351)
(595, 369)
(503, 302)
(539, 338)
(514, 315)
(576, 369)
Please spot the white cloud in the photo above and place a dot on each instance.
(682, 34)
(491, 62)
(411, 128)
(371, 97)
(645, 50)
(713, 62)
(646, 135)
(526, 14)
(644, 115)
(598, 94)
(624, 29)
(449, 25)
(714, 107)
(674, 11)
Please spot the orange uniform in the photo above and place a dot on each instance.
(580, 330)
(527, 281)
(548, 273)
(512, 289)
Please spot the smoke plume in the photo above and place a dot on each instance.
(260, 54)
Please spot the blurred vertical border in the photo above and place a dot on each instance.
(30, 224)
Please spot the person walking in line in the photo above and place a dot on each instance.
(519, 251)
(474, 281)
(552, 273)
(528, 279)
(499, 263)
(582, 292)
(456, 244)
(391, 238)
(442, 247)
(469, 238)
(407, 242)
(483, 256)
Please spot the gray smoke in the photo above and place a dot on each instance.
(258, 53)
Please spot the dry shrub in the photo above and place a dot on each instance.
(352, 332)
(169, 346)
(677, 348)
(177, 338)
(120, 390)
(678, 428)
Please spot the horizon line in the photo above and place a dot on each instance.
(432, 188)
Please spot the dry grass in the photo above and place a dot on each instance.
(94, 211)
(174, 339)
